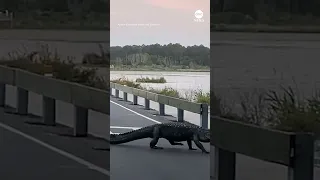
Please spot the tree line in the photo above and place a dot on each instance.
(253, 7)
(100, 6)
(164, 55)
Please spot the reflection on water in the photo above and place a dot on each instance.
(184, 82)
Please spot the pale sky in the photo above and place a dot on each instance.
(137, 22)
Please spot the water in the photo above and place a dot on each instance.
(184, 82)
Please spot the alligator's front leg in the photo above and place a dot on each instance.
(198, 144)
(174, 143)
(190, 145)
(156, 137)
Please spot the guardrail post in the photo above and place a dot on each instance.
(146, 104)
(80, 127)
(180, 115)
(125, 96)
(2, 94)
(224, 164)
(49, 110)
(302, 164)
(11, 19)
(117, 93)
(110, 91)
(204, 116)
(22, 101)
(161, 109)
(135, 100)
(317, 153)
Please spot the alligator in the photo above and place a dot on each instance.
(174, 132)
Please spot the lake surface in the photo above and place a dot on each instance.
(184, 82)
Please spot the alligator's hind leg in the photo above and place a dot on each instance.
(174, 143)
(156, 137)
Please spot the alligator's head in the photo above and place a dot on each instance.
(204, 135)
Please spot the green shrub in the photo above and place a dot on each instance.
(293, 114)
(126, 82)
(283, 110)
(167, 91)
(201, 97)
(151, 80)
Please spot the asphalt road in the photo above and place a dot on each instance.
(135, 160)
(37, 152)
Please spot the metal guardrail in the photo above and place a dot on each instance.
(294, 150)
(180, 104)
(82, 97)
(6, 16)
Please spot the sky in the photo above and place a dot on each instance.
(137, 22)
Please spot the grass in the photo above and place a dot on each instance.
(201, 97)
(292, 113)
(167, 91)
(151, 80)
(126, 82)
(96, 59)
(43, 61)
(283, 110)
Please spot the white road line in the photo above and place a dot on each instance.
(136, 112)
(59, 151)
(123, 127)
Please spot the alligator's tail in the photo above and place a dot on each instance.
(142, 133)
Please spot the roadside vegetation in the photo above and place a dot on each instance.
(284, 110)
(126, 82)
(151, 80)
(43, 61)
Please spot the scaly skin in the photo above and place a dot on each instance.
(174, 132)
